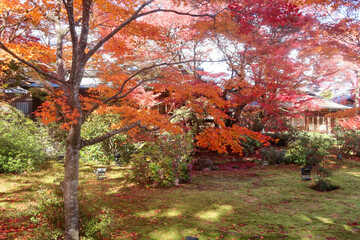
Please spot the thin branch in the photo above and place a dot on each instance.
(89, 142)
(131, 90)
(51, 18)
(325, 74)
(48, 75)
(85, 25)
(116, 30)
(116, 96)
(178, 13)
(137, 15)
(149, 129)
(69, 6)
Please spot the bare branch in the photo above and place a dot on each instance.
(116, 96)
(326, 74)
(149, 129)
(15, 26)
(130, 91)
(46, 15)
(89, 142)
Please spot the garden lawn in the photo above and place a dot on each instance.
(264, 202)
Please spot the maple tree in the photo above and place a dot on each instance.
(258, 43)
(146, 51)
(348, 119)
(337, 41)
(61, 40)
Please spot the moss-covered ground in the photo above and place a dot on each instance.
(263, 202)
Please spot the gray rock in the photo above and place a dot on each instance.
(191, 238)
(204, 163)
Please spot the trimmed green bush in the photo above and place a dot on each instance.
(24, 144)
(273, 155)
(309, 149)
(304, 149)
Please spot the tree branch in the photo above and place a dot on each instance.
(48, 75)
(85, 25)
(89, 142)
(137, 15)
(116, 30)
(178, 13)
(69, 6)
(116, 96)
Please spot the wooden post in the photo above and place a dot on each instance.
(298, 123)
(318, 124)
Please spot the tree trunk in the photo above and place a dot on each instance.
(71, 182)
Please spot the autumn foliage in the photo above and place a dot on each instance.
(147, 56)
(147, 66)
(228, 139)
(55, 110)
(348, 119)
(350, 123)
(251, 14)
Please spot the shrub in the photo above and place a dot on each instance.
(284, 138)
(94, 153)
(324, 185)
(324, 172)
(95, 226)
(348, 140)
(58, 137)
(24, 144)
(164, 162)
(273, 155)
(250, 145)
(104, 151)
(309, 150)
(126, 150)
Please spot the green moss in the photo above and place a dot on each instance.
(270, 202)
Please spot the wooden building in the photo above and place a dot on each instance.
(18, 98)
(314, 118)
